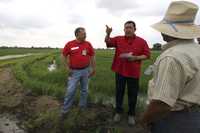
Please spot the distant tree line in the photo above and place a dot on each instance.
(156, 46)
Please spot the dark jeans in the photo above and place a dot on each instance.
(178, 122)
(133, 87)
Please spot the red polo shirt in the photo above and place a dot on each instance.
(137, 46)
(79, 53)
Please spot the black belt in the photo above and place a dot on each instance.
(79, 68)
(193, 108)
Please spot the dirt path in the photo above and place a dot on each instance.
(14, 56)
(39, 114)
(19, 104)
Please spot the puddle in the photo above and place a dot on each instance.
(103, 99)
(141, 101)
(108, 100)
(8, 124)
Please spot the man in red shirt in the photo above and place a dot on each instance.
(130, 50)
(79, 55)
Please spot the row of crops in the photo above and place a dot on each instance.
(34, 74)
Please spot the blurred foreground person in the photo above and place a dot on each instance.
(174, 91)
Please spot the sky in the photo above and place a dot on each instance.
(51, 23)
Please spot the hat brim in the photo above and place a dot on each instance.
(183, 31)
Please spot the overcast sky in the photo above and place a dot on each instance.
(43, 23)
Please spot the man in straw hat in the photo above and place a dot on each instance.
(198, 39)
(175, 87)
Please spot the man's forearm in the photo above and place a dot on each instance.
(65, 60)
(107, 40)
(156, 110)
(93, 63)
(142, 57)
(137, 58)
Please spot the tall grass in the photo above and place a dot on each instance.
(34, 75)
(14, 51)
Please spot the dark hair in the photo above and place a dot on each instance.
(130, 22)
(77, 30)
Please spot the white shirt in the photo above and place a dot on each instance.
(176, 79)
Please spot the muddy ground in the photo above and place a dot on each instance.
(40, 114)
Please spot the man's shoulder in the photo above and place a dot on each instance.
(175, 52)
(140, 38)
(70, 43)
(120, 36)
(87, 42)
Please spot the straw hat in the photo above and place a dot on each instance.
(179, 21)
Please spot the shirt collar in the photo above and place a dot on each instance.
(78, 42)
(130, 38)
(175, 43)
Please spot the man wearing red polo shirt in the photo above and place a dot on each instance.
(79, 55)
(130, 50)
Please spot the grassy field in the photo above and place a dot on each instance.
(34, 75)
(4, 51)
(13, 51)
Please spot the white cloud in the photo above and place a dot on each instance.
(23, 23)
(6, 1)
(52, 22)
(117, 6)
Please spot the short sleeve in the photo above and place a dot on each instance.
(66, 50)
(168, 81)
(91, 51)
(112, 42)
(146, 50)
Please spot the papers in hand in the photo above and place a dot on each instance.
(126, 55)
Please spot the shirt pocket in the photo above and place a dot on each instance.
(137, 51)
(74, 51)
(123, 48)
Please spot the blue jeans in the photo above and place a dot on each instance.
(78, 75)
(178, 122)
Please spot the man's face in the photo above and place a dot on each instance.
(168, 38)
(129, 30)
(81, 36)
(165, 38)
